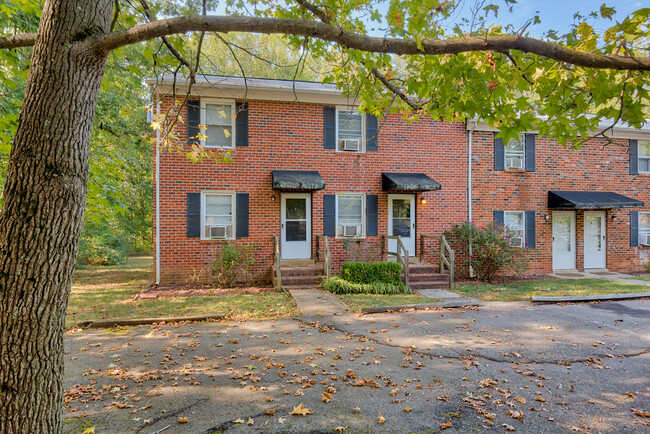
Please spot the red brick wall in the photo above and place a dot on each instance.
(287, 135)
(598, 166)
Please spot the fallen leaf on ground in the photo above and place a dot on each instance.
(380, 418)
(300, 410)
(407, 409)
(641, 412)
(182, 420)
(356, 410)
(508, 427)
(326, 397)
(340, 428)
(269, 412)
(90, 430)
(445, 425)
(238, 421)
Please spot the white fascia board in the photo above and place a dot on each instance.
(621, 131)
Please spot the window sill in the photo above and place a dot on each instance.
(513, 170)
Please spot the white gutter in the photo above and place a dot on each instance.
(158, 199)
(471, 126)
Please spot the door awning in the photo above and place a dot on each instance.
(408, 182)
(590, 200)
(297, 180)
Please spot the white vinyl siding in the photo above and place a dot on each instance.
(217, 211)
(644, 157)
(516, 222)
(350, 215)
(217, 123)
(350, 130)
(515, 153)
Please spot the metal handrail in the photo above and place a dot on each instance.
(402, 260)
(327, 255)
(447, 256)
(277, 261)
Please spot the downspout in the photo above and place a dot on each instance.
(158, 199)
(469, 186)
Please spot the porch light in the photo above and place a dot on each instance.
(546, 216)
(273, 197)
(613, 217)
(423, 201)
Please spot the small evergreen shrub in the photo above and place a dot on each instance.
(364, 272)
(337, 285)
(232, 263)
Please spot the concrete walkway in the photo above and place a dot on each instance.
(599, 274)
(316, 303)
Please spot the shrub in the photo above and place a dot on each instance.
(231, 264)
(93, 250)
(491, 249)
(364, 272)
(338, 285)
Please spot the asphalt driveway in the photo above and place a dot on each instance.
(505, 366)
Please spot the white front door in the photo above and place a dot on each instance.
(595, 245)
(564, 240)
(401, 221)
(295, 226)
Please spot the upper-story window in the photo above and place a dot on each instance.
(219, 121)
(350, 215)
(644, 157)
(515, 221)
(218, 209)
(350, 130)
(515, 153)
(644, 228)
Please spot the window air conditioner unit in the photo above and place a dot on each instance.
(219, 231)
(351, 144)
(517, 241)
(351, 230)
(515, 162)
(644, 239)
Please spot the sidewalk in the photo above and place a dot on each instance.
(598, 274)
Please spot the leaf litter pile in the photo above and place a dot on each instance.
(278, 375)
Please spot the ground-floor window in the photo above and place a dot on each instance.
(515, 221)
(644, 228)
(350, 215)
(217, 212)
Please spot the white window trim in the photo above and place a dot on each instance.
(363, 129)
(642, 157)
(363, 215)
(522, 138)
(205, 101)
(523, 220)
(643, 232)
(233, 199)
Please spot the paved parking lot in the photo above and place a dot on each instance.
(531, 368)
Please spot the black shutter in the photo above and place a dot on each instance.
(634, 228)
(193, 121)
(241, 124)
(330, 127)
(634, 158)
(329, 215)
(529, 146)
(242, 215)
(372, 202)
(372, 142)
(499, 153)
(499, 217)
(193, 215)
(530, 229)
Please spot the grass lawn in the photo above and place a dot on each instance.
(357, 301)
(107, 293)
(646, 278)
(521, 291)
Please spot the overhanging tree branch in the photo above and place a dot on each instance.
(348, 39)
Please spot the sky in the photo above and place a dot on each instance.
(558, 14)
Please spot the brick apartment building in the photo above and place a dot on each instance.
(305, 163)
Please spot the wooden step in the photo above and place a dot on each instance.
(417, 286)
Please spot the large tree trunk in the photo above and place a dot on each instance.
(42, 213)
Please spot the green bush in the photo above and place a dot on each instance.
(364, 272)
(338, 285)
(231, 264)
(95, 251)
(491, 249)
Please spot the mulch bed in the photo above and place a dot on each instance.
(154, 292)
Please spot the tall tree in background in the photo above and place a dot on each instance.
(497, 73)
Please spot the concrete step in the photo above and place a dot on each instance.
(311, 270)
(428, 277)
(416, 286)
(301, 280)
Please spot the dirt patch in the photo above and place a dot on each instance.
(504, 280)
(154, 292)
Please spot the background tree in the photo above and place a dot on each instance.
(502, 75)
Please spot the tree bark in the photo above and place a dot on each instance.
(42, 214)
